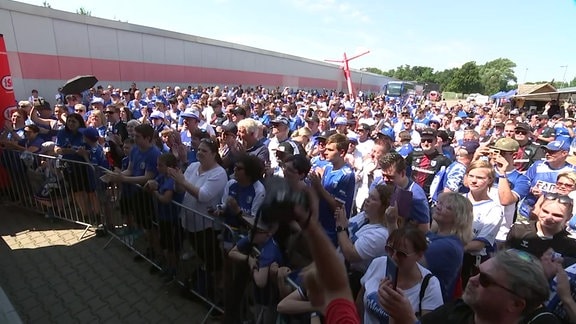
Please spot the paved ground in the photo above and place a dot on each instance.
(52, 277)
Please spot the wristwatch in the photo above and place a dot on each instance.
(340, 229)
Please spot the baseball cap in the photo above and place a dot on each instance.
(281, 120)
(458, 119)
(157, 115)
(470, 147)
(353, 138)
(97, 100)
(239, 111)
(340, 121)
(90, 133)
(190, 113)
(523, 126)
(444, 136)
(428, 132)
(115, 94)
(501, 125)
(289, 147)
(313, 119)
(514, 112)
(159, 101)
(230, 128)
(325, 134)
(365, 127)
(506, 144)
(558, 146)
(387, 131)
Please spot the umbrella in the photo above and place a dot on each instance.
(79, 84)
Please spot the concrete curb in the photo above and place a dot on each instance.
(8, 314)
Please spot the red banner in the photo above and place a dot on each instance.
(7, 99)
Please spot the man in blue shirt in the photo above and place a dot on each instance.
(543, 174)
(393, 168)
(334, 184)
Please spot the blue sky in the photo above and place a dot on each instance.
(537, 35)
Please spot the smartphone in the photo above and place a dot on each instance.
(392, 272)
(494, 152)
(403, 200)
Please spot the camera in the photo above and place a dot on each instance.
(280, 200)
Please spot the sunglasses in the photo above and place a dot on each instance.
(486, 281)
(79, 110)
(390, 251)
(563, 199)
(564, 184)
(108, 112)
(521, 132)
(427, 140)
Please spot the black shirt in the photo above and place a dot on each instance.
(524, 236)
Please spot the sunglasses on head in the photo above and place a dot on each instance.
(390, 251)
(563, 199)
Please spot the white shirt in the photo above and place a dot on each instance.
(488, 217)
(369, 240)
(365, 147)
(211, 184)
(377, 271)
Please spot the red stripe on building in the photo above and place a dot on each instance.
(52, 67)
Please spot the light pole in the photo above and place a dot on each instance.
(525, 74)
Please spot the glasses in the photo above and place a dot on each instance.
(108, 112)
(564, 184)
(79, 110)
(17, 116)
(563, 199)
(399, 253)
(427, 140)
(407, 124)
(521, 132)
(486, 281)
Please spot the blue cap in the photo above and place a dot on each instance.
(558, 146)
(340, 121)
(387, 132)
(90, 133)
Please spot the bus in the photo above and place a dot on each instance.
(399, 89)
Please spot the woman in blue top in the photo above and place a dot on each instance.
(69, 142)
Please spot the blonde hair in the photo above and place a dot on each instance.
(463, 216)
(480, 164)
(302, 131)
(99, 114)
(570, 175)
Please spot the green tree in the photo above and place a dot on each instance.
(373, 70)
(496, 75)
(84, 12)
(444, 77)
(466, 79)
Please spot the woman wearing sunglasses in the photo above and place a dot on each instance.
(404, 248)
(547, 231)
(565, 184)
(488, 216)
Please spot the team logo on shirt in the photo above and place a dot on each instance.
(249, 199)
(433, 163)
(142, 165)
(524, 244)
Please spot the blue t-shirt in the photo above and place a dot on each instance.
(168, 211)
(37, 142)
(542, 176)
(405, 149)
(340, 184)
(444, 259)
(249, 199)
(420, 211)
(144, 161)
(318, 162)
(69, 140)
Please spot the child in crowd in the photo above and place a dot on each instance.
(167, 237)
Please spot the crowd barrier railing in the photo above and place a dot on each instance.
(182, 245)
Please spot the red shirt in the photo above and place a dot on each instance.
(341, 311)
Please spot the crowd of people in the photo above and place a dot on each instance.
(413, 210)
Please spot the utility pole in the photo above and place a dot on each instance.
(346, 69)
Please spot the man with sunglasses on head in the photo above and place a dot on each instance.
(511, 287)
(543, 174)
(425, 161)
(528, 152)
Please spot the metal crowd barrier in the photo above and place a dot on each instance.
(182, 245)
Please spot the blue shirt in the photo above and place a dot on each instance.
(168, 211)
(541, 175)
(249, 199)
(444, 259)
(318, 162)
(405, 149)
(67, 139)
(143, 162)
(340, 184)
(420, 211)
